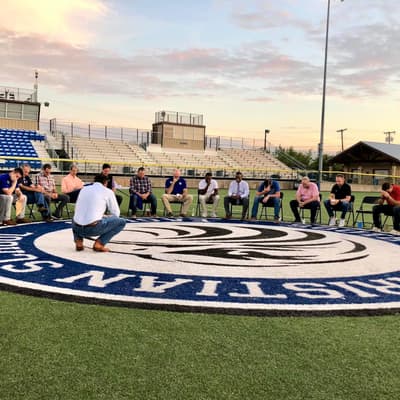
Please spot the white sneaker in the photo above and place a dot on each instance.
(332, 221)
(394, 232)
(204, 215)
(342, 223)
(375, 229)
(213, 215)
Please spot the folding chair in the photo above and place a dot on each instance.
(231, 205)
(30, 207)
(165, 212)
(145, 204)
(366, 206)
(69, 212)
(317, 215)
(264, 208)
(350, 211)
(210, 200)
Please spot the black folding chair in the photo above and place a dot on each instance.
(174, 202)
(350, 211)
(145, 204)
(270, 204)
(318, 215)
(366, 206)
(240, 204)
(210, 200)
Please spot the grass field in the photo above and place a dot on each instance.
(58, 350)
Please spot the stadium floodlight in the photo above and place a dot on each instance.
(265, 139)
(321, 140)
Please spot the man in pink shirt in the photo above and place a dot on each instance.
(307, 196)
(71, 184)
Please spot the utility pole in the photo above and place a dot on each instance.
(341, 135)
(389, 136)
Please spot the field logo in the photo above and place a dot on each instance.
(209, 265)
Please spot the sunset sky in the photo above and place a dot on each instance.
(246, 65)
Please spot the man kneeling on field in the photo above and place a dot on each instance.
(89, 219)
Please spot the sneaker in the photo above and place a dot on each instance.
(133, 216)
(23, 220)
(204, 215)
(253, 219)
(332, 221)
(213, 215)
(48, 219)
(228, 216)
(9, 222)
(394, 232)
(55, 216)
(376, 229)
(182, 215)
(154, 215)
(42, 208)
(277, 220)
(170, 215)
(342, 223)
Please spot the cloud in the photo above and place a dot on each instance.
(72, 21)
(363, 61)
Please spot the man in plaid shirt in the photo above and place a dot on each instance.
(47, 182)
(140, 190)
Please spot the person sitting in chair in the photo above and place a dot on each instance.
(176, 190)
(268, 193)
(140, 191)
(208, 192)
(238, 193)
(307, 196)
(71, 184)
(9, 194)
(34, 193)
(390, 195)
(339, 200)
(111, 184)
(47, 182)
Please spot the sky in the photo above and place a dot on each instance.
(245, 65)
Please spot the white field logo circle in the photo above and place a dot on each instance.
(201, 265)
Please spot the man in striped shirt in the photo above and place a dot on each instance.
(47, 182)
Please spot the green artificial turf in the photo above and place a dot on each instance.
(56, 350)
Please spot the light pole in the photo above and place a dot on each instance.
(341, 135)
(265, 139)
(321, 140)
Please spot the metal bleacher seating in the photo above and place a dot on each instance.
(18, 143)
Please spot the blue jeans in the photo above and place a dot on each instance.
(106, 228)
(134, 203)
(272, 202)
(342, 206)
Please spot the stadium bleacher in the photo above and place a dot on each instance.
(18, 143)
(89, 152)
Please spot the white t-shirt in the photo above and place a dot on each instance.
(211, 188)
